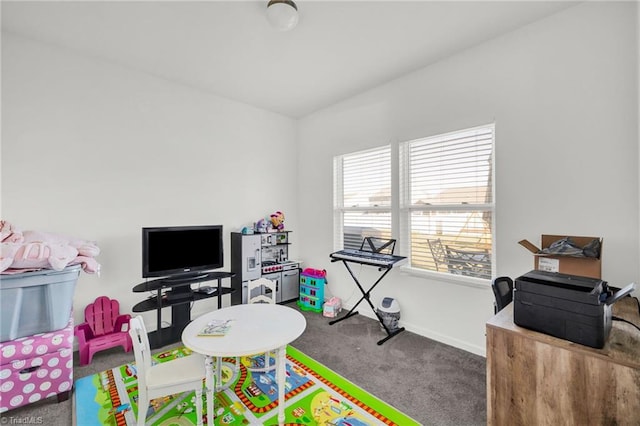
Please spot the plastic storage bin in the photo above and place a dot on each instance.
(36, 302)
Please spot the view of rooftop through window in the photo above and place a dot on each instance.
(449, 203)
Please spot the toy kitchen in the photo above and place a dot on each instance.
(264, 255)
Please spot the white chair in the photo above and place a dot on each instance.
(166, 378)
(263, 296)
(265, 291)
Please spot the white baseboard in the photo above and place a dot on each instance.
(431, 334)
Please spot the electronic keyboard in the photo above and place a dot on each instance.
(368, 258)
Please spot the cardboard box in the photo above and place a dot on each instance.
(582, 266)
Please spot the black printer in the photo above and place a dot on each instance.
(570, 307)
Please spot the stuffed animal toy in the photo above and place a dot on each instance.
(262, 225)
(277, 220)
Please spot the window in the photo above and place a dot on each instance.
(362, 197)
(447, 202)
(444, 209)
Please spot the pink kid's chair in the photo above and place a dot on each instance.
(103, 328)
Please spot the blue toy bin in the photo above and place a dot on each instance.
(36, 302)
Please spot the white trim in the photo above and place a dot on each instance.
(445, 277)
(430, 334)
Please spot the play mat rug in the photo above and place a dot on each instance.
(315, 396)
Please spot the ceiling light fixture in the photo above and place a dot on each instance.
(282, 14)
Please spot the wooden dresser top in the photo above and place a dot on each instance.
(622, 346)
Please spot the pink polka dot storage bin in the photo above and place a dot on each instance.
(36, 367)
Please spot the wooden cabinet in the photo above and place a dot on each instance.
(536, 379)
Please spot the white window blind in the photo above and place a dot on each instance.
(362, 197)
(447, 201)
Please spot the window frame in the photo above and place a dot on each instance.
(401, 208)
(340, 210)
(405, 209)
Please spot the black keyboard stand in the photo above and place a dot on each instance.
(366, 296)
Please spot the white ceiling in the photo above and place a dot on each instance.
(338, 49)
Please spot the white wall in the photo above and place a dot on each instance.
(563, 93)
(96, 151)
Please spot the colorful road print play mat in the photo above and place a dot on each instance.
(315, 396)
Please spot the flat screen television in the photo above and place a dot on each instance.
(181, 251)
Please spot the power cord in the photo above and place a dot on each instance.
(624, 320)
(615, 318)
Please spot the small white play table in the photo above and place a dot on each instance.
(256, 328)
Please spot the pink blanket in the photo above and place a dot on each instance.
(33, 250)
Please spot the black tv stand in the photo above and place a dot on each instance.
(185, 278)
(178, 295)
(182, 297)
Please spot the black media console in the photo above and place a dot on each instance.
(178, 296)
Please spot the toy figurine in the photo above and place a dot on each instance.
(262, 225)
(277, 220)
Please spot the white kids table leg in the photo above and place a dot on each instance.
(208, 367)
(218, 373)
(282, 377)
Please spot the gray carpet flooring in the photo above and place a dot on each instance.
(431, 382)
